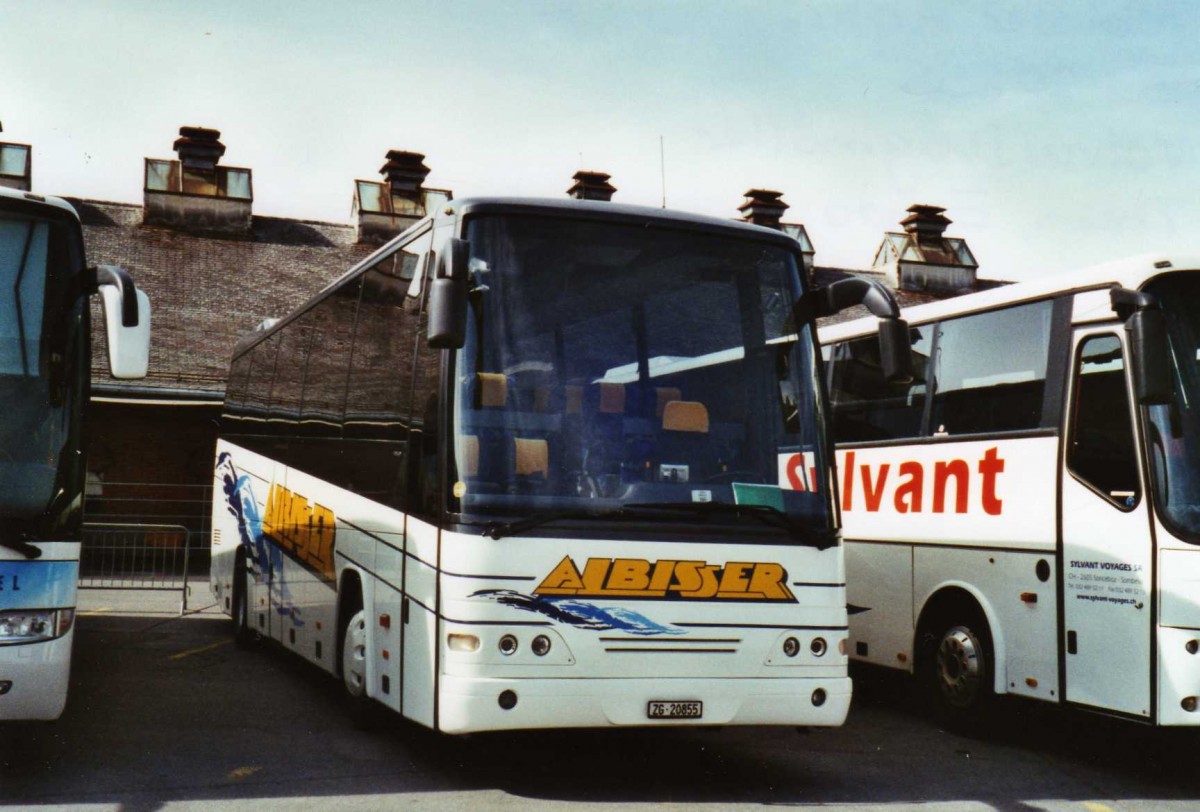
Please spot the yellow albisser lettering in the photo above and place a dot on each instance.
(660, 579)
(562, 580)
(687, 576)
(594, 574)
(628, 574)
(708, 583)
(733, 580)
(770, 581)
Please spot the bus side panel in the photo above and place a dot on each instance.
(387, 624)
(420, 630)
(1020, 608)
(1178, 629)
(880, 600)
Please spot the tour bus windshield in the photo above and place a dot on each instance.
(35, 396)
(615, 370)
(1174, 431)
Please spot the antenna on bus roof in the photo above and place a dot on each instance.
(662, 163)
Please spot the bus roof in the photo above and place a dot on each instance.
(18, 196)
(1130, 273)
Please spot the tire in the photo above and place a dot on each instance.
(243, 634)
(353, 657)
(958, 673)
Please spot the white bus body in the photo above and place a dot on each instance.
(511, 540)
(1015, 520)
(45, 358)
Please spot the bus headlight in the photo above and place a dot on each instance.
(540, 645)
(34, 626)
(791, 647)
(508, 645)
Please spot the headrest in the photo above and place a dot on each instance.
(612, 398)
(492, 391)
(685, 415)
(532, 457)
(664, 395)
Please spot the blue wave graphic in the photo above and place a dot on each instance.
(262, 555)
(579, 613)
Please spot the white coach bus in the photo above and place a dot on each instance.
(520, 469)
(45, 358)
(1024, 516)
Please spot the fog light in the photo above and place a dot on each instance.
(1192, 646)
(791, 647)
(540, 645)
(5, 686)
(507, 700)
(508, 646)
(818, 697)
(1189, 704)
(842, 647)
(462, 642)
(818, 647)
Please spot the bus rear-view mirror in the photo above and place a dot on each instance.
(126, 323)
(448, 297)
(895, 350)
(1147, 331)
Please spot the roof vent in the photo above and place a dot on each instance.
(199, 148)
(591, 186)
(193, 193)
(765, 207)
(384, 209)
(16, 166)
(923, 258)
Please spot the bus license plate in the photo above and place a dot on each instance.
(675, 710)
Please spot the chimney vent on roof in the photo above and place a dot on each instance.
(763, 207)
(923, 258)
(591, 186)
(193, 193)
(404, 173)
(384, 209)
(199, 148)
(926, 223)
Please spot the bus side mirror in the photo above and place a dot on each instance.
(1147, 331)
(895, 346)
(448, 297)
(895, 351)
(126, 322)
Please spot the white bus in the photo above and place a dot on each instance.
(521, 468)
(45, 358)
(1024, 516)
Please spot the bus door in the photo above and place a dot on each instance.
(1107, 544)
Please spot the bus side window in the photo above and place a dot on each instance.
(1101, 452)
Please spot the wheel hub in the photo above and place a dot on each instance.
(959, 666)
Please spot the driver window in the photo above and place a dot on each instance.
(1101, 453)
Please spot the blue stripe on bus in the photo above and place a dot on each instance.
(38, 584)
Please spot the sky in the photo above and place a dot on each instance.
(1056, 135)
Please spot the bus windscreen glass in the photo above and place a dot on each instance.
(33, 350)
(611, 366)
(1174, 431)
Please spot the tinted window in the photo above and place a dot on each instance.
(989, 370)
(1101, 451)
(865, 406)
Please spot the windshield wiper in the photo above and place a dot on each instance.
(23, 547)
(773, 517)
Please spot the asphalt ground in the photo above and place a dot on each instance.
(165, 713)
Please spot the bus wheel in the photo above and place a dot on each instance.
(354, 656)
(243, 634)
(958, 675)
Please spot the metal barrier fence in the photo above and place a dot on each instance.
(136, 556)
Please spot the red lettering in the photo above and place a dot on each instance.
(909, 492)
(873, 493)
(989, 467)
(848, 483)
(942, 472)
(794, 465)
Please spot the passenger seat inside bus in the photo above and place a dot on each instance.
(685, 449)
